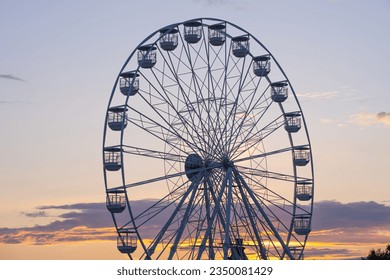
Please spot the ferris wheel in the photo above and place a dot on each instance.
(206, 153)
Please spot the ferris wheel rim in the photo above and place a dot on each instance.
(168, 29)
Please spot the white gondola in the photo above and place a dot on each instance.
(217, 36)
(304, 190)
(112, 158)
(301, 156)
(192, 32)
(240, 46)
(116, 201)
(117, 118)
(292, 122)
(129, 83)
(302, 225)
(262, 65)
(169, 39)
(279, 91)
(147, 56)
(127, 241)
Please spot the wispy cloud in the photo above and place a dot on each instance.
(319, 95)
(11, 77)
(35, 214)
(5, 102)
(341, 95)
(361, 120)
(327, 121)
(236, 4)
(369, 119)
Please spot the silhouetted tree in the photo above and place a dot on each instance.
(379, 254)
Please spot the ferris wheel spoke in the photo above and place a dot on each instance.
(169, 176)
(249, 212)
(240, 94)
(181, 84)
(228, 206)
(286, 228)
(245, 226)
(224, 110)
(198, 84)
(263, 213)
(187, 125)
(141, 125)
(243, 116)
(193, 86)
(160, 206)
(270, 193)
(153, 153)
(190, 232)
(249, 172)
(256, 138)
(183, 222)
(213, 57)
(257, 105)
(194, 226)
(216, 86)
(148, 125)
(276, 200)
(216, 211)
(268, 174)
(167, 101)
(211, 255)
(248, 134)
(191, 189)
(262, 155)
(220, 109)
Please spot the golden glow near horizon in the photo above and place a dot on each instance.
(106, 250)
(100, 243)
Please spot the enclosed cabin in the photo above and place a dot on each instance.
(112, 158)
(169, 39)
(127, 241)
(147, 56)
(240, 46)
(279, 91)
(116, 201)
(262, 65)
(301, 156)
(117, 118)
(304, 190)
(302, 224)
(129, 83)
(217, 35)
(292, 122)
(192, 32)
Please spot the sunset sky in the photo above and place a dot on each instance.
(58, 63)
